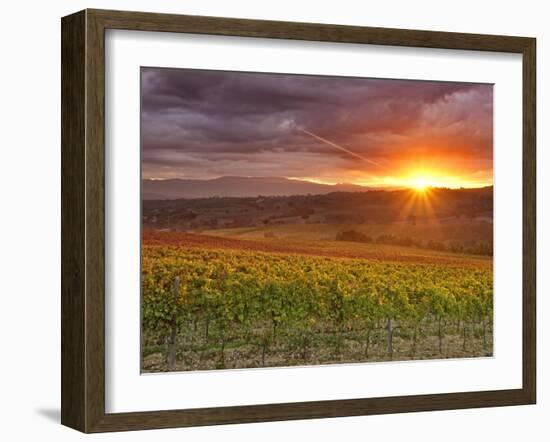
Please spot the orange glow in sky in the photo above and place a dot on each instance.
(418, 179)
(378, 133)
(429, 166)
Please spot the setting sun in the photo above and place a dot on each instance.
(422, 180)
(420, 184)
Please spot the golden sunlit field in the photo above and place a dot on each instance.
(222, 302)
(436, 230)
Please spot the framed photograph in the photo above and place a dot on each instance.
(267, 220)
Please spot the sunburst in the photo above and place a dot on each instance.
(420, 184)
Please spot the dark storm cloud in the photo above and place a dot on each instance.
(202, 123)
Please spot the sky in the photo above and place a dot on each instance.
(204, 124)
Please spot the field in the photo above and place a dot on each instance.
(293, 295)
(432, 229)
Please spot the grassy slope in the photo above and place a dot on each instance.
(460, 230)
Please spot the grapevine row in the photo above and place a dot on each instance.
(260, 298)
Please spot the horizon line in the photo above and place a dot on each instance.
(311, 181)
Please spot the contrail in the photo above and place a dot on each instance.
(343, 149)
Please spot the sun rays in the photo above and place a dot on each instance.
(417, 205)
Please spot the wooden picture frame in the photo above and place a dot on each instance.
(83, 220)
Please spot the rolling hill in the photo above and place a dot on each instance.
(233, 186)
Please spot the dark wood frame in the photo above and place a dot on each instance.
(83, 216)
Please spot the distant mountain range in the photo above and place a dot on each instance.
(234, 186)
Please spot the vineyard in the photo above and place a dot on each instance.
(213, 307)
